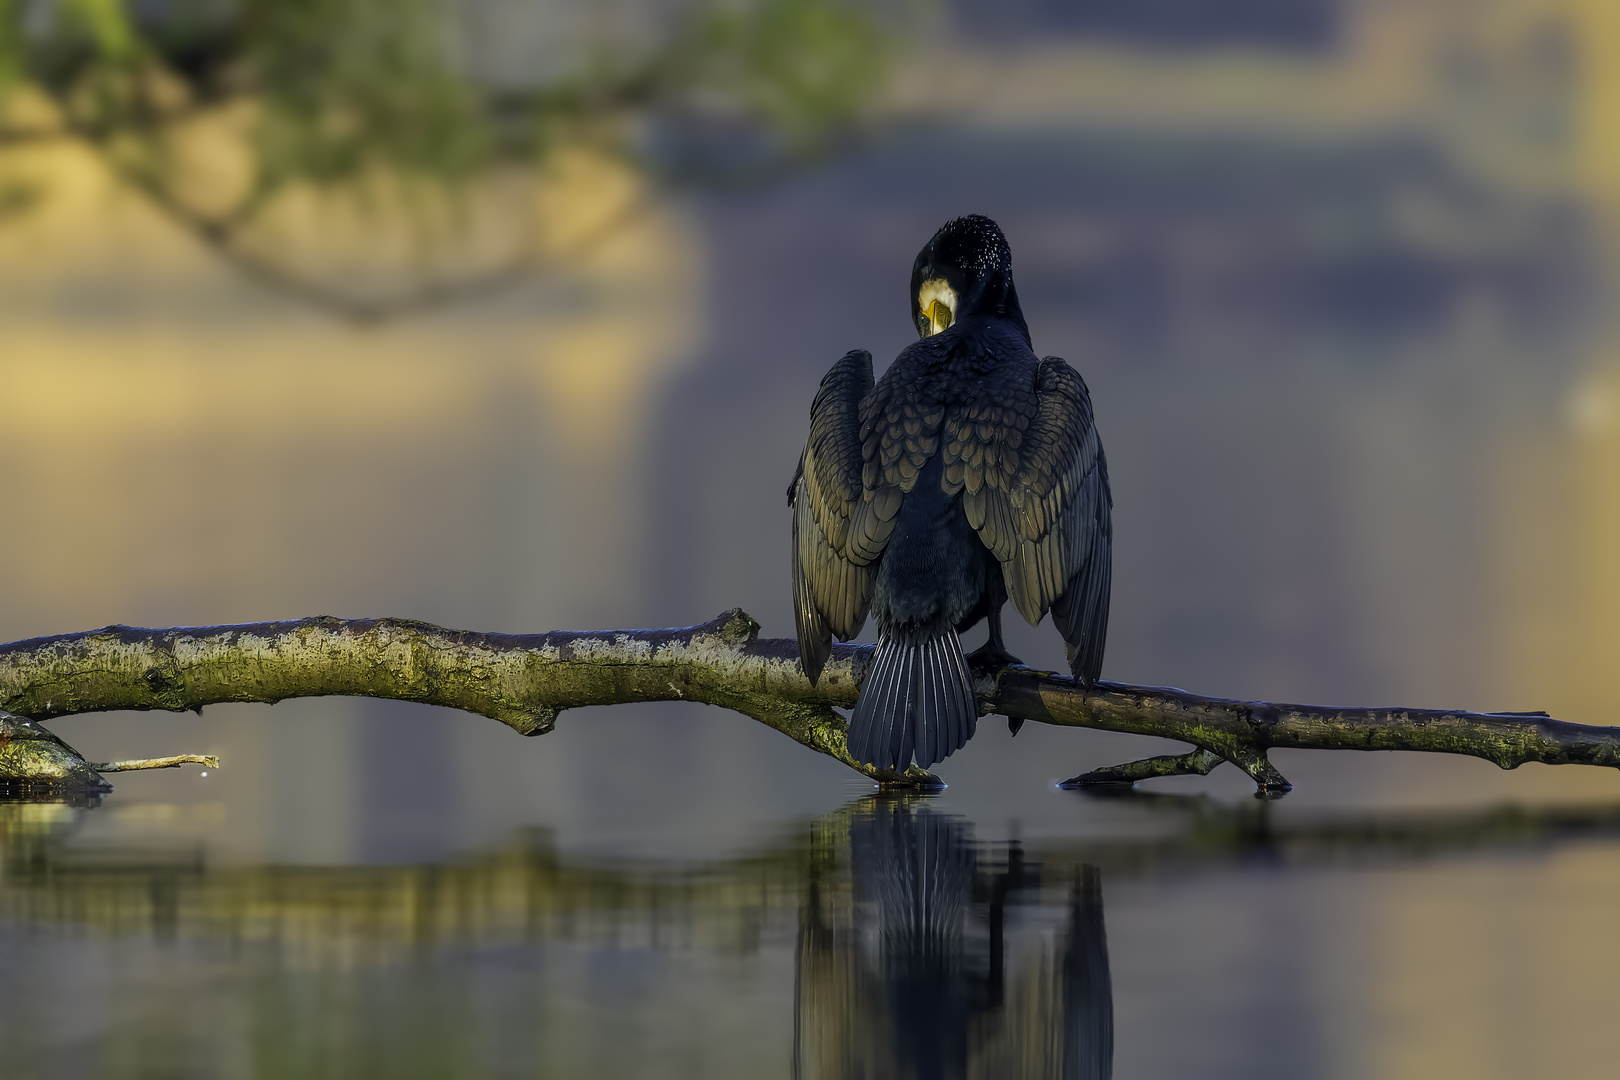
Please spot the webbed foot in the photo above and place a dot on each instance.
(988, 659)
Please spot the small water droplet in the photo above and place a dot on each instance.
(203, 773)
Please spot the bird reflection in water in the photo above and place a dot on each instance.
(922, 953)
(916, 950)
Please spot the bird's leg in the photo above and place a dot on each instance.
(992, 656)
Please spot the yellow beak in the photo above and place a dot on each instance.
(939, 317)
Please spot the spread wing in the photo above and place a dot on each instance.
(1035, 486)
(831, 590)
(1064, 558)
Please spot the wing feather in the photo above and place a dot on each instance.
(1034, 485)
(832, 590)
(1065, 518)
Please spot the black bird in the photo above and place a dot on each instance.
(970, 475)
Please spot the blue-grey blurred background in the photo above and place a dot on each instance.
(1337, 272)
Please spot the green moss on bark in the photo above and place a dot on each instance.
(526, 681)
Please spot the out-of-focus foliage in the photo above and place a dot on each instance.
(346, 98)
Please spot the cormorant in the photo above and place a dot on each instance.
(969, 475)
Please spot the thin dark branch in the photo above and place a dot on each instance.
(143, 122)
(416, 300)
(221, 235)
(34, 136)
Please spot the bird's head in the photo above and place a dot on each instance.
(966, 269)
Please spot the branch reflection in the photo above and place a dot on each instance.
(884, 940)
(896, 888)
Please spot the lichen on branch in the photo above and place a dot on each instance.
(526, 680)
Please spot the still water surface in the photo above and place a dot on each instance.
(1166, 935)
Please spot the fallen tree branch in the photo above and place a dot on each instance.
(526, 680)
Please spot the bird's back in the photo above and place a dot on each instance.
(969, 474)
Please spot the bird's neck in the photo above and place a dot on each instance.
(1010, 318)
(998, 301)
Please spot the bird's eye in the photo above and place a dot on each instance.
(922, 323)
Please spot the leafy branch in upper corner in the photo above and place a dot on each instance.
(399, 109)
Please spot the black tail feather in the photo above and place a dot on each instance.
(905, 733)
(931, 738)
(917, 701)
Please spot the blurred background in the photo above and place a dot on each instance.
(506, 315)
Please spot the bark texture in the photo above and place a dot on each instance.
(526, 680)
